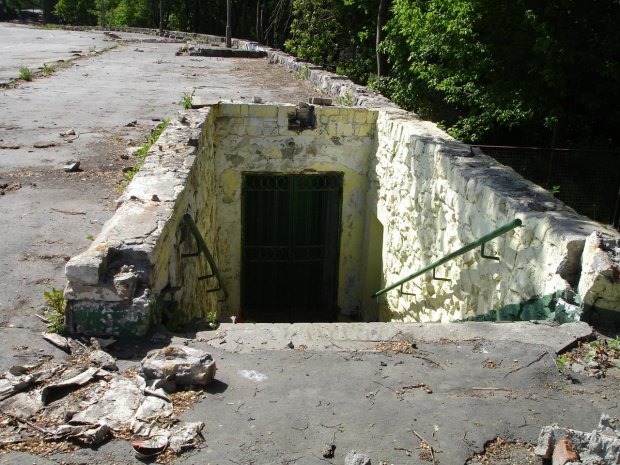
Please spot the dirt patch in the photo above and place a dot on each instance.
(501, 452)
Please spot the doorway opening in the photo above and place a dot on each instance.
(290, 239)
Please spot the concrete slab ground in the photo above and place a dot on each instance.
(459, 387)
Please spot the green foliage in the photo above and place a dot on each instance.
(186, 101)
(56, 302)
(26, 74)
(90, 237)
(303, 73)
(335, 35)
(142, 152)
(490, 68)
(615, 343)
(57, 323)
(47, 70)
(345, 100)
(562, 364)
(554, 190)
(212, 318)
(78, 12)
(55, 299)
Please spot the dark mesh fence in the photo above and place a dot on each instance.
(587, 181)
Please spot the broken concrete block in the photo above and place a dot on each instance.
(102, 359)
(180, 364)
(71, 166)
(354, 458)
(185, 437)
(86, 434)
(87, 267)
(600, 446)
(544, 448)
(599, 286)
(319, 101)
(563, 453)
(13, 384)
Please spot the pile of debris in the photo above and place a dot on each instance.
(88, 401)
(567, 446)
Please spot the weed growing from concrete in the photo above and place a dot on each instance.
(212, 319)
(186, 101)
(142, 152)
(26, 74)
(56, 303)
(47, 70)
(345, 100)
(303, 73)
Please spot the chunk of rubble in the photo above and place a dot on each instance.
(599, 283)
(49, 392)
(183, 365)
(186, 436)
(86, 434)
(57, 340)
(13, 384)
(102, 359)
(600, 446)
(353, 458)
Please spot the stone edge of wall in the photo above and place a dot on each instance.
(109, 289)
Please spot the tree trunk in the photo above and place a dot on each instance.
(381, 21)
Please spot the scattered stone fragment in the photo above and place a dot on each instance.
(87, 434)
(290, 345)
(13, 384)
(43, 145)
(71, 166)
(70, 132)
(132, 124)
(58, 340)
(186, 436)
(73, 381)
(103, 360)
(183, 365)
(564, 452)
(600, 446)
(354, 458)
(319, 101)
(100, 343)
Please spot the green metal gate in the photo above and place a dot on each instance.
(290, 246)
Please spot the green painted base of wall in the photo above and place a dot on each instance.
(553, 307)
(111, 319)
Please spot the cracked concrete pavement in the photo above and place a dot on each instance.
(332, 385)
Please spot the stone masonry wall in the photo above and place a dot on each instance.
(257, 138)
(133, 271)
(434, 196)
(431, 194)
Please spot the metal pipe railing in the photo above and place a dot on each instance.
(479, 242)
(202, 247)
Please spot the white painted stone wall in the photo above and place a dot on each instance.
(133, 269)
(256, 138)
(434, 196)
(430, 193)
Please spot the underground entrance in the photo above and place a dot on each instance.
(306, 221)
(290, 246)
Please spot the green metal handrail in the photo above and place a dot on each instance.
(202, 248)
(480, 242)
